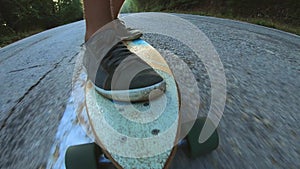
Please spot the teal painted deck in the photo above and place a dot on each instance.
(139, 135)
(121, 127)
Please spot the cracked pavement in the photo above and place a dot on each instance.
(35, 78)
(260, 126)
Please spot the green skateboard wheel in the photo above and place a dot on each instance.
(83, 156)
(196, 148)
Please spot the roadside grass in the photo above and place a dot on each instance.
(267, 22)
(273, 24)
(295, 29)
(13, 37)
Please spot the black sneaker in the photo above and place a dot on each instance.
(118, 67)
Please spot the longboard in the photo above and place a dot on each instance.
(136, 135)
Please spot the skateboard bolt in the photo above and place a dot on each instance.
(123, 139)
(155, 131)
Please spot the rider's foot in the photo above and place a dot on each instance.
(123, 76)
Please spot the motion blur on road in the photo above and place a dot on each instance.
(260, 126)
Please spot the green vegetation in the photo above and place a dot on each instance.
(279, 14)
(7, 39)
(20, 18)
(129, 6)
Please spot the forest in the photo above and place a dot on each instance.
(285, 11)
(17, 16)
(20, 18)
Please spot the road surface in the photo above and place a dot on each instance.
(260, 127)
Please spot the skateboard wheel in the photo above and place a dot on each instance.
(83, 156)
(196, 148)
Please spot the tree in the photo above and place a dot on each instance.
(25, 15)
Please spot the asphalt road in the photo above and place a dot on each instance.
(260, 127)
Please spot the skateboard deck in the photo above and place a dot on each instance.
(142, 134)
